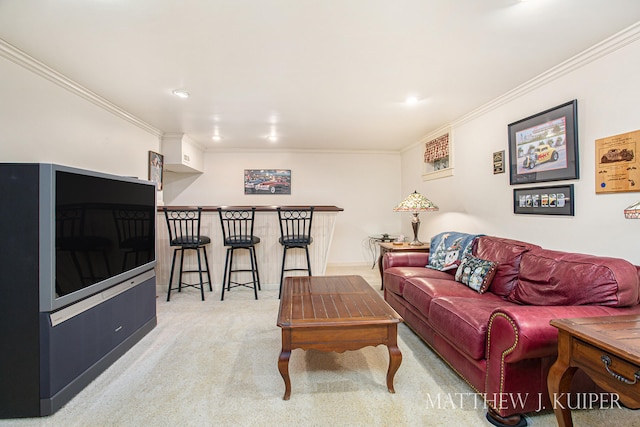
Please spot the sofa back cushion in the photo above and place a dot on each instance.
(507, 253)
(561, 278)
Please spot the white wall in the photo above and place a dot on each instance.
(365, 185)
(42, 122)
(476, 200)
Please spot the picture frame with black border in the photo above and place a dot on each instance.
(550, 200)
(498, 162)
(156, 169)
(544, 147)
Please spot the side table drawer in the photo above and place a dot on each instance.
(609, 371)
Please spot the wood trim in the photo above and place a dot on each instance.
(316, 208)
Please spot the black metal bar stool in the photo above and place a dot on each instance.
(295, 233)
(134, 225)
(237, 233)
(184, 235)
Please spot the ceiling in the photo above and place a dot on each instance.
(323, 74)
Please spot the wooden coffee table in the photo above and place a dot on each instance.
(605, 348)
(335, 313)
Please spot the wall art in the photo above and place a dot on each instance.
(267, 181)
(156, 162)
(552, 200)
(544, 147)
(498, 162)
(617, 163)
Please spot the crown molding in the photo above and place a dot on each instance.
(605, 47)
(298, 150)
(19, 57)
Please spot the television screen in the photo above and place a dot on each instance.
(103, 228)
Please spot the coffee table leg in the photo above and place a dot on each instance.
(395, 357)
(283, 367)
(283, 362)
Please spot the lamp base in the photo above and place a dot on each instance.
(415, 224)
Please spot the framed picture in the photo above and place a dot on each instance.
(498, 162)
(267, 181)
(544, 147)
(553, 200)
(617, 163)
(156, 161)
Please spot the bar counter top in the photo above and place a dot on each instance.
(259, 208)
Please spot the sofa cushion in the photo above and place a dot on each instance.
(396, 277)
(476, 273)
(550, 277)
(507, 253)
(420, 291)
(463, 321)
(447, 249)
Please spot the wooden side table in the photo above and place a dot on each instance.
(394, 247)
(605, 348)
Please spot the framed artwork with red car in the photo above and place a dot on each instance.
(544, 147)
(267, 181)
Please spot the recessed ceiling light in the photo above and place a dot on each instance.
(216, 134)
(411, 100)
(181, 93)
(273, 135)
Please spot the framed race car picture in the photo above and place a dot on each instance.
(544, 147)
(267, 181)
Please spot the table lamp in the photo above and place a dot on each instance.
(415, 203)
(633, 211)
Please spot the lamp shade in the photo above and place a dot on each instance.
(415, 202)
(633, 211)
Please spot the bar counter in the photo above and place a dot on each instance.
(268, 251)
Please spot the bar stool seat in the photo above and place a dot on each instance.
(237, 234)
(184, 235)
(295, 233)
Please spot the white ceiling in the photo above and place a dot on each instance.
(331, 74)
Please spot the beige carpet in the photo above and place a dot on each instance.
(215, 363)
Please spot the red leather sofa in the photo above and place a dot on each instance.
(500, 341)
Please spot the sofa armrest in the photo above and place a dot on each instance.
(404, 259)
(522, 346)
(521, 332)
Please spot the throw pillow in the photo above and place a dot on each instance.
(447, 250)
(476, 273)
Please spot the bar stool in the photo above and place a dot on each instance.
(237, 233)
(295, 233)
(184, 235)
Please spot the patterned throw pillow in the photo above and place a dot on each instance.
(447, 250)
(476, 273)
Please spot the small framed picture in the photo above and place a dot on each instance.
(498, 162)
(552, 200)
(156, 162)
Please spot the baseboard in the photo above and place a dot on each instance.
(349, 265)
